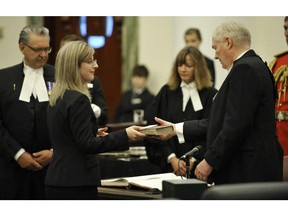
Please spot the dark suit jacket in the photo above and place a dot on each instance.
(22, 125)
(168, 106)
(98, 98)
(241, 139)
(211, 67)
(73, 127)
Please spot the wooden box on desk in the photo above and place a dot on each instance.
(188, 189)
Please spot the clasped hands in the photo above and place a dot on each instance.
(35, 161)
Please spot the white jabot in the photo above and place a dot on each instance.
(190, 91)
(33, 84)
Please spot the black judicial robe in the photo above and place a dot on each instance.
(22, 125)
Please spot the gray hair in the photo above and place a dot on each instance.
(27, 30)
(238, 32)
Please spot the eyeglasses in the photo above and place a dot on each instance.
(91, 61)
(39, 50)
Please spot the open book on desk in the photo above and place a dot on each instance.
(145, 181)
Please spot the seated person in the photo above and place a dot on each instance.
(138, 97)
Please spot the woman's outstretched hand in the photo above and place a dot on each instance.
(102, 131)
(134, 134)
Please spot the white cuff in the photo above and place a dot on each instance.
(18, 154)
(170, 156)
(179, 132)
(96, 109)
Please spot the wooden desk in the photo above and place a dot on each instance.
(107, 193)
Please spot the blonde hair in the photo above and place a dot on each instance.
(67, 75)
(201, 72)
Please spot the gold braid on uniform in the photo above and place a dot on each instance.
(271, 65)
(281, 76)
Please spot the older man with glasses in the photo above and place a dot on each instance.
(25, 149)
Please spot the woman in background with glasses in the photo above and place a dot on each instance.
(74, 172)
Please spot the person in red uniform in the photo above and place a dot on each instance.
(279, 68)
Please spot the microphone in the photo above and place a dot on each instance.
(193, 152)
